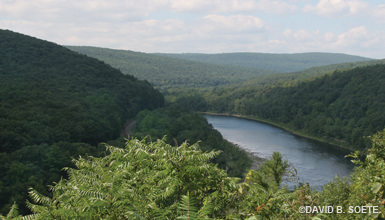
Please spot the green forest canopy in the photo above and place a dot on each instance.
(344, 105)
(269, 61)
(165, 73)
(56, 104)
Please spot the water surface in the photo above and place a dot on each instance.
(316, 162)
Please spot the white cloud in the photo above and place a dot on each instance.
(379, 13)
(188, 5)
(276, 7)
(300, 35)
(306, 37)
(66, 11)
(223, 6)
(358, 36)
(234, 24)
(69, 10)
(145, 35)
(357, 41)
(333, 8)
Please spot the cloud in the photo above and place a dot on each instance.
(302, 40)
(356, 37)
(379, 13)
(212, 33)
(299, 36)
(223, 6)
(70, 10)
(233, 24)
(333, 8)
(276, 7)
(145, 35)
(92, 11)
(358, 40)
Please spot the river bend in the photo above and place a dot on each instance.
(316, 162)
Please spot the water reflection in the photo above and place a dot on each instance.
(316, 162)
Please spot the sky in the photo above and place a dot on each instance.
(204, 26)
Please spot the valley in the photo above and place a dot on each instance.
(63, 109)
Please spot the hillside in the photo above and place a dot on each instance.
(345, 105)
(56, 104)
(273, 62)
(165, 73)
(287, 79)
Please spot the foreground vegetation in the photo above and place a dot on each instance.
(158, 181)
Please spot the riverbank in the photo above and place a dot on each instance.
(257, 160)
(334, 143)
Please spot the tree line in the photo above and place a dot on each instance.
(283, 63)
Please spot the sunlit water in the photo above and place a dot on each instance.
(316, 162)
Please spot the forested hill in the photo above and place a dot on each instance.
(269, 61)
(165, 72)
(290, 79)
(56, 104)
(344, 105)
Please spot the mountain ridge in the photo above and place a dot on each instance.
(164, 72)
(272, 61)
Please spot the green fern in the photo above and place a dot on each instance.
(188, 207)
(12, 214)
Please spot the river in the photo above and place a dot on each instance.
(316, 162)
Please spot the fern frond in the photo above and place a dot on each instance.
(13, 212)
(113, 149)
(93, 194)
(39, 198)
(188, 207)
(38, 210)
(30, 217)
(206, 210)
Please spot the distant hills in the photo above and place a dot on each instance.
(287, 79)
(165, 72)
(168, 71)
(274, 62)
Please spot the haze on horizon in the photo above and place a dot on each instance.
(353, 27)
